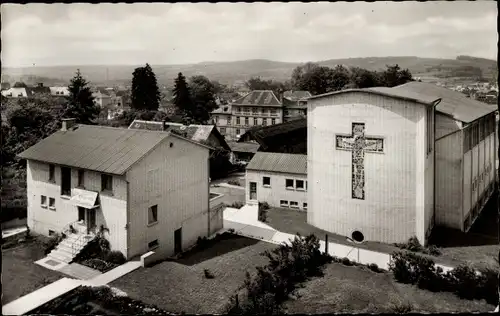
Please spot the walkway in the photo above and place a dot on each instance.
(41, 296)
(244, 222)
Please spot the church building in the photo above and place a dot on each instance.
(386, 164)
(371, 164)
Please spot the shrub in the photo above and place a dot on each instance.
(345, 261)
(208, 274)
(51, 243)
(115, 257)
(202, 243)
(263, 207)
(234, 182)
(237, 204)
(401, 307)
(374, 268)
(98, 264)
(414, 245)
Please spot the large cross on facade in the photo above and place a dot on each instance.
(359, 143)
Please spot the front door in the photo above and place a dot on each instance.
(178, 241)
(253, 190)
(81, 214)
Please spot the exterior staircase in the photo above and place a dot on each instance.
(70, 247)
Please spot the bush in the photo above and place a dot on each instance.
(463, 280)
(98, 264)
(234, 182)
(237, 204)
(115, 257)
(51, 243)
(263, 207)
(288, 266)
(374, 268)
(401, 307)
(414, 245)
(345, 261)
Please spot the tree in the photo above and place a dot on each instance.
(202, 92)
(394, 76)
(182, 97)
(145, 92)
(319, 79)
(20, 85)
(256, 83)
(80, 102)
(362, 78)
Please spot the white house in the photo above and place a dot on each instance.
(466, 151)
(278, 179)
(371, 164)
(148, 189)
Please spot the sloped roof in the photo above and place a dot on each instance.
(453, 103)
(244, 147)
(258, 97)
(197, 133)
(295, 95)
(390, 92)
(31, 91)
(262, 132)
(279, 162)
(103, 149)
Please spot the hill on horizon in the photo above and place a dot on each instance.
(232, 72)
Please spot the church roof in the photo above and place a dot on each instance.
(279, 162)
(453, 103)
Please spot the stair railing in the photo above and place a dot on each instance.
(68, 228)
(77, 244)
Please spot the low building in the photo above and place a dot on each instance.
(243, 151)
(15, 93)
(146, 190)
(278, 179)
(59, 91)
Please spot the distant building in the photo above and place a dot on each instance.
(295, 104)
(278, 179)
(59, 91)
(257, 108)
(147, 190)
(243, 151)
(15, 93)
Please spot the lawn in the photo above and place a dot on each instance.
(349, 289)
(479, 247)
(180, 285)
(20, 274)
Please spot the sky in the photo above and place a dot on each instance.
(185, 33)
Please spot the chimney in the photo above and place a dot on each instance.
(67, 123)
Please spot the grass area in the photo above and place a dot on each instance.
(346, 289)
(479, 247)
(181, 286)
(20, 274)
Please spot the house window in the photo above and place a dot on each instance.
(52, 173)
(294, 204)
(284, 203)
(264, 121)
(289, 184)
(228, 120)
(255, 121)
(273, 121)
(216, 119)
(299, 184)
(153, 214)
(273, 112)
(285, 113)
(81, 177)
(65, 181)
(43, 201)
(304, 206)
(52, 203)
(237, 120)
(266, 181)
(237, 131)
(152, 245)
(106, 183)
(246, 121)
(222, 130)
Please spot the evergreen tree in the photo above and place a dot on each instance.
(145, 92)
(182, 98)
(80, 103)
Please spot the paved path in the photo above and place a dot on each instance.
(79, 271)
(244, 222)
(41, 296)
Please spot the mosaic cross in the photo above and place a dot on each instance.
(359, 143)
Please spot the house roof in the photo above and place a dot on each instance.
(197, 133)
(279, 162)
(31, 91)
(103, 149)
(384, 91)
(244, 147)
(295, 95)
(59, 90)
(262, 132)
(452, 103)
(258, 97)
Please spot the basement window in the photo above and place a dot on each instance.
(294, 204)
(283, 203)
(304, 206)
(153, 245)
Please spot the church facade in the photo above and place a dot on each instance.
(371, 164)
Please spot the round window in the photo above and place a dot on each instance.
(357, 236)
